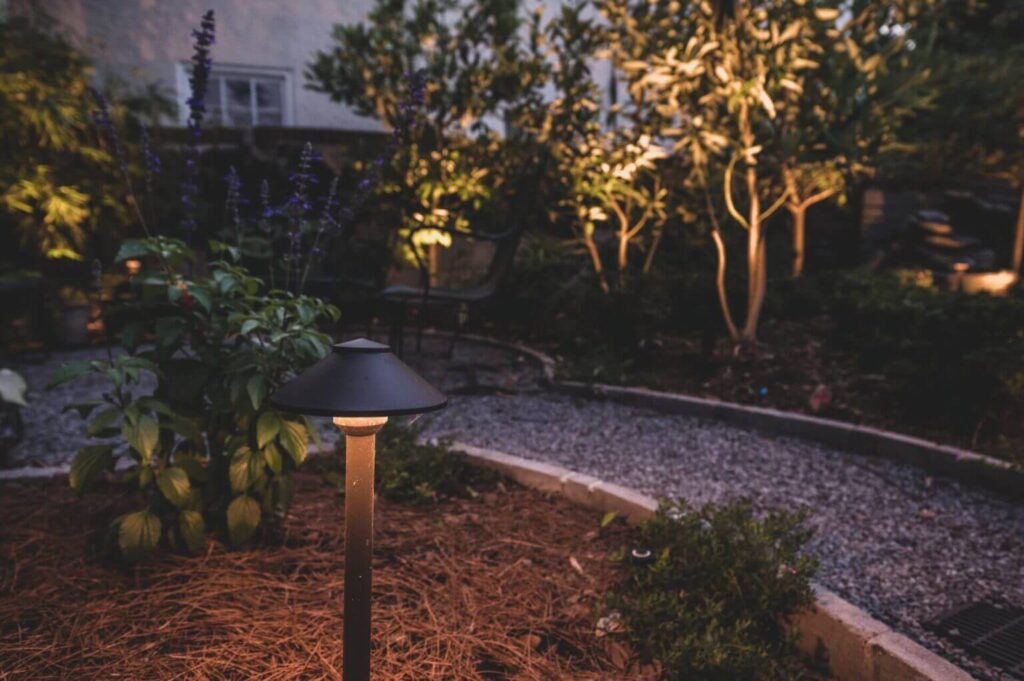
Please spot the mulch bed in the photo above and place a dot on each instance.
(791, 361)
(506, 586)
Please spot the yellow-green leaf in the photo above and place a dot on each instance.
(267, 428)
(138, 533)
(192, 528)
(243, 519)
(174, 485)
(294, 438)
(142, 435)
(89, 464)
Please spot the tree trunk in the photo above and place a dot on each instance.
(756, 270)
(723, 296)
(1018, 243)
(595, 258)
(623, 252)
(799, 214)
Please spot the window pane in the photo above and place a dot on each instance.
(268, 93)
(239, 102)
(238, 93)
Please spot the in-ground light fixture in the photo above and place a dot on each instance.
(360, 384)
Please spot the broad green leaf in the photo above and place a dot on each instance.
(257, 390)
(267, 428)
(244, 469)
(133, 249)
(272, 455)
(102, 421)
(202, 297)
(608, 518)
(69, 372)
(138, 533)
(243, 519)
(192, 528)
(142, 435)
(88, 466)
(174, 485)
(153, 404)
(294, 439)
(248, 326)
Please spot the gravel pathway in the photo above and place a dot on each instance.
(897, 542)
(905, 546)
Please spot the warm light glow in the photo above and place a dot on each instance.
(133, 266)
(359, 421)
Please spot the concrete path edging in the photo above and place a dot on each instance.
(954, 462)
(858, 647)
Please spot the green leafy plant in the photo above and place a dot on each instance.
(204, 446)
(412, 471)
(714, 602)
(59, 186)
(951, 360)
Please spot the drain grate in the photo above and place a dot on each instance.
(993, 632)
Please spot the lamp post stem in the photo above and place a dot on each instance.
(360, 442)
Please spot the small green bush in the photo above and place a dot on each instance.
(410, 471)
(714, 602)
(952, 361)
(204, 445)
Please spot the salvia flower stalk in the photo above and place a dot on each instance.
(199, 80)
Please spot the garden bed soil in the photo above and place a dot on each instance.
(504, 586)
(791, 361)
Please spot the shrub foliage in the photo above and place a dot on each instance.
(203, 446)
(714, 602)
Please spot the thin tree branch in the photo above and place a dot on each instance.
(730, 206)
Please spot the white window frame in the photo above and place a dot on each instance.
(184, 70)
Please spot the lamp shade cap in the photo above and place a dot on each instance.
(358, 378)
(361, 345)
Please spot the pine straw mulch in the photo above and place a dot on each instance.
(507, 586)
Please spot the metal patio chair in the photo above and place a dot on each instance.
(399, 298)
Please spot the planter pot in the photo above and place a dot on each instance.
(73, 331)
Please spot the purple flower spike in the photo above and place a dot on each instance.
(198, 81)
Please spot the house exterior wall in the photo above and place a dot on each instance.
(149, 40)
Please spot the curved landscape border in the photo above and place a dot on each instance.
(953, 462)
(857, 646)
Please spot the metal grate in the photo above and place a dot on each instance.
(993, 632)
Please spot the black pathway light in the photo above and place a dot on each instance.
(360, 383)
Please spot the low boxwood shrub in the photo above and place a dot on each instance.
(713, 600)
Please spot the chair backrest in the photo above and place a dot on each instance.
(504, 256)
